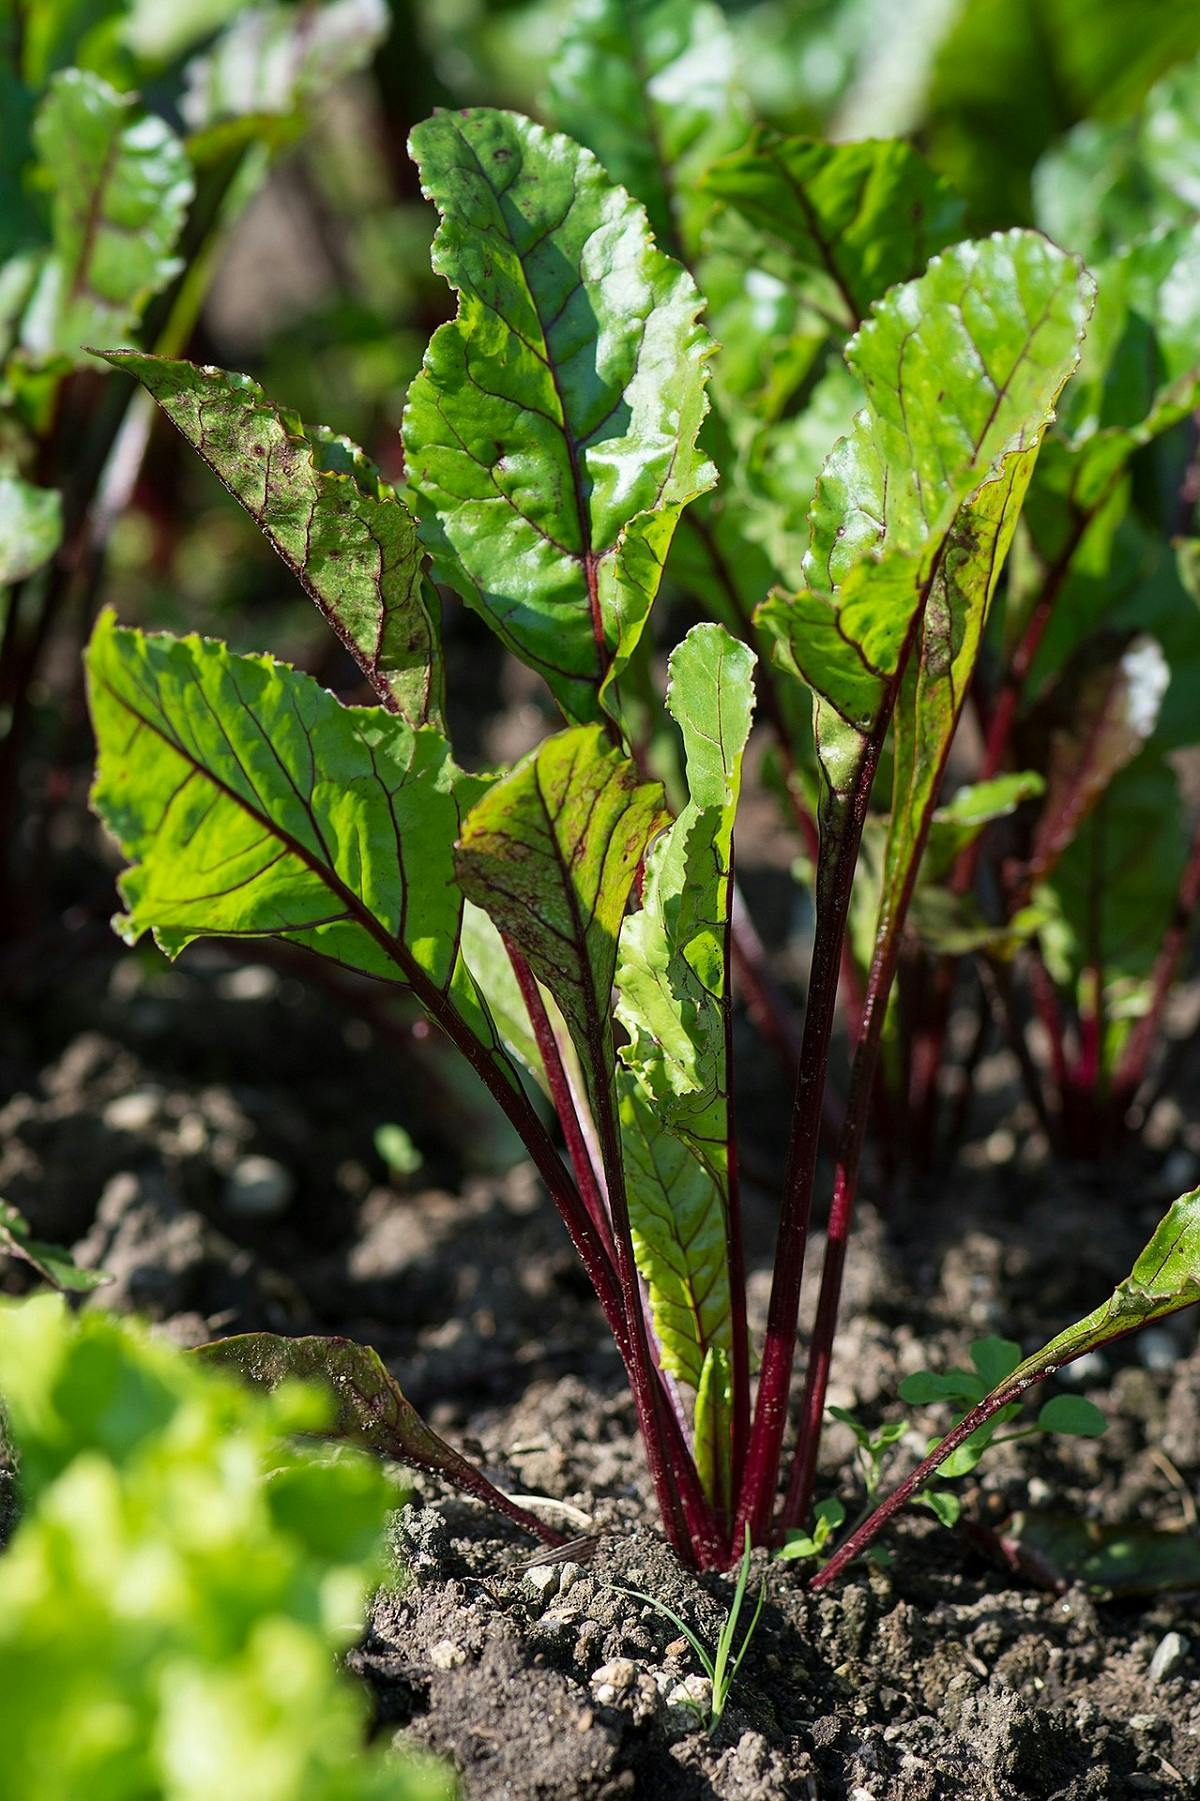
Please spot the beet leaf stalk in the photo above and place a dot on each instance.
(913, 513)
(1165, 1279)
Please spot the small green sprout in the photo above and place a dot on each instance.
(873, 1452)
(720, 1665)
(994, 1359)
(828, 1515)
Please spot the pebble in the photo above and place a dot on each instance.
(612, 1680)
(133, 1112)
(258, 1188)
(689, 1705)
(446, 1655)
(543, 1579)
(1171, 1651)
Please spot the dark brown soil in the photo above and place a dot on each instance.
(134, 1105)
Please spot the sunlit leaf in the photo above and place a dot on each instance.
(1108, 180)
(550, 852)
(340, 528)
(251, 804)
(550, 437)
(961, 369)
(671, 976)
(844, 222)
(273, 59)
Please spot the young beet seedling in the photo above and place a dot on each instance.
(551, 448)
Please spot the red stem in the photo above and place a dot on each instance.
(871, 1527)
(835, 877)
(686, 1513)
(562, 1097)
(841, 1219)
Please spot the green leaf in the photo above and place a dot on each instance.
(30, 528)
(347, 537)
(830, 1514)
(122, 187)
(671, 975)
(551, 435)
(677, 1213)
(1073, 1415)
(251, 804)
(486, 958)
(1113, 893)
(944, 1503)
(1165, 1278)
(1010, 74)
(1140, 368)
(995, 1358)
(713, 1429)
(961, 369)
(960, 820)
(550, 852)
(52, 1264)
(844, 222)
(924, 1387)
(184, 1581)
(369, 1406)
(272, 60)
(964, 1459)
(1122, 1560)
(650, 87)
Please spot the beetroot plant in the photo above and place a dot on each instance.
(573, 936)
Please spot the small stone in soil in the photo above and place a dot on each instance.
(613, 1680)
(258, 1188)
(688, 1705)
(446, 1655)
(1172, 1649)
(543, 1578)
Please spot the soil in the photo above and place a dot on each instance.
(204, 1133)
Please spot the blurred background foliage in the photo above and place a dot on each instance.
(302, 258)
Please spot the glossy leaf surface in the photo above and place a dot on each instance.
(551, 435)
(961, 369)
(671, 975)
(550, 852)
(251, 804)
(343, 532)
(843, 221)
